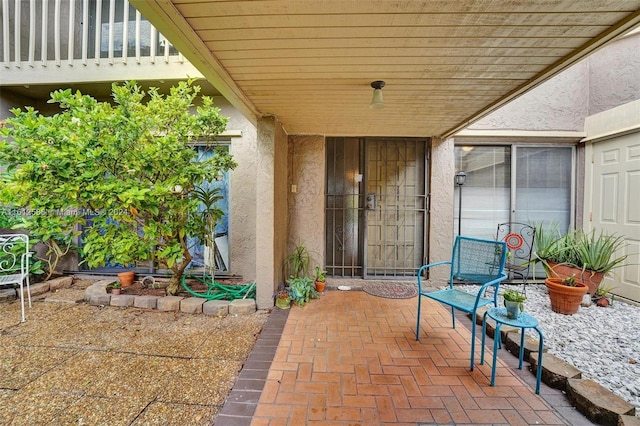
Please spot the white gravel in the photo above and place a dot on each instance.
(603, 343)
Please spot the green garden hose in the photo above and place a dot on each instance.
(217, 291)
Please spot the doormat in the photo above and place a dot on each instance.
(391, 290)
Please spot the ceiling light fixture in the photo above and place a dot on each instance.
(376, 101)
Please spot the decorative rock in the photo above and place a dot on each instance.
(96, 289)
(36, 289)
(192, 305)
(512, 343)
(146, 302)
(169, 303)
(122, 300)
(218, 308)
(242, 307)
(555, 372)
(61, 282)
(598, 403)
(99, 299)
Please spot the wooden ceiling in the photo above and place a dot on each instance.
(445, 62)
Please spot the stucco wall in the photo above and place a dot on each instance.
(441, 202)
(614, 74)
(306, 205)
(271, 214)
(606, 79)
(242, 203)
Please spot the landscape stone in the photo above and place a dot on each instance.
(555, 372)
(122, 300)
(36, 289)
(146, 302)
(629, 421)
(192, 305)
(597, 402)
(60, 282)
(169, 303)
(100, 299)
(512, 343)
(7, 295)
(218, 308)
(242, 307)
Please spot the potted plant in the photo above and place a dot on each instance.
(320, 278)
(115, 287)
(589, 256)
(601, 298)
(301, 290)
(296, 264)
(565, 294)
(283, 301)
(126, 278)
(513, 301)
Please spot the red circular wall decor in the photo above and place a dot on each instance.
(514, 241)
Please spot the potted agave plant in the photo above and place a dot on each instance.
(587, 256)
(565, 294)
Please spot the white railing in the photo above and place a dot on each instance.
(78, 32)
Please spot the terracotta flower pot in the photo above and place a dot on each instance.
(115, 291)
(126, 278)
(590, 278)
(320, 286)
(565, 299)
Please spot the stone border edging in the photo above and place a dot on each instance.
(593, 400)
(96, 295)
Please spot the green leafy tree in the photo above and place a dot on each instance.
(128, 164)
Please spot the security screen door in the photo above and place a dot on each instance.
(376, 207)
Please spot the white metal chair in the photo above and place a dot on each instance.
(14, 264)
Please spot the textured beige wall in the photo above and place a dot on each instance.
(271, 214)
(242, 202)
(306, 205)
(441, 212)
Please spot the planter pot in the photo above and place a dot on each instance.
(126, 278)
(320, 286)
(284, 303)
(564, 299)
(590, 278)
(115, 291)
(513, 309)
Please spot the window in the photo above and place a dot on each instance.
(528, 184)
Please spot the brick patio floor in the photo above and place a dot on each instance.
(352, 359)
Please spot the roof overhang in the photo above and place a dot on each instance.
(446, 63)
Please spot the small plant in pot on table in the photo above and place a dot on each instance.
(514, 302)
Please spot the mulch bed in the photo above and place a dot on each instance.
(137, 289)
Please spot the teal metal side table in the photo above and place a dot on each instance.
(524, 321)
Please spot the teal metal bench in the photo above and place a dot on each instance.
(14, 264)
(473, 261)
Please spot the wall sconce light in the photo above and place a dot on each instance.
(376, 101)
(461, 177)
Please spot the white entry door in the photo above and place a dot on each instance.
(612, 203)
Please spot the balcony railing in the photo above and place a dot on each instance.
(76, 33)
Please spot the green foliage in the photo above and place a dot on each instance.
(592, 251)
(514, 296)
(297, 263)
(301, 290)
(319, 274)
(130, 164)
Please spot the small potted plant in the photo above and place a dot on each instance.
(514, 302)
(115, 287)
(283, 301)
(565, 294)
(301, 290)
(320, 278)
